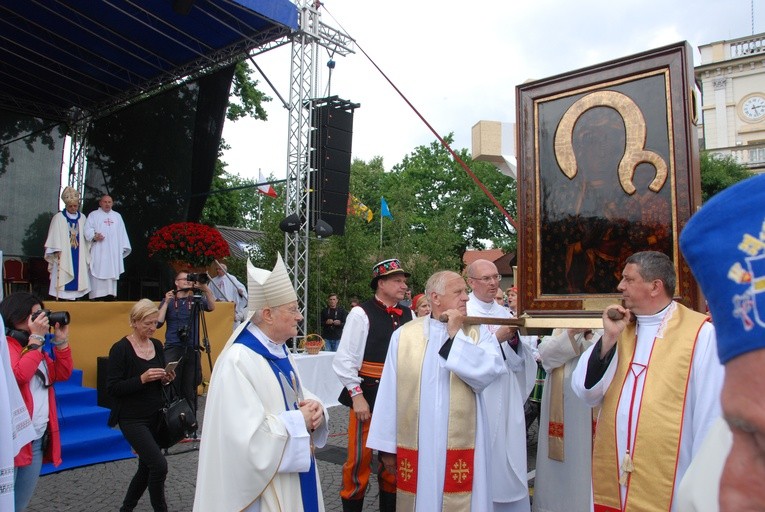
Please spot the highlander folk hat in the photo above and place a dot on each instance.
(386, 268)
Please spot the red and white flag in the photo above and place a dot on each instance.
(266, 189)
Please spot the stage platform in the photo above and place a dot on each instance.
(95, 326)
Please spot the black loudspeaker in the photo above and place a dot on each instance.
(102, 396)
(331, 139)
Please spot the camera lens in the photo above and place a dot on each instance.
(59, 317)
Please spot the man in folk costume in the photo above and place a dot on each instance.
(724, 244)
(431, 423)
(564, 453)
(658, 381)
(67, 250)
(506, 395)
(260, 424)
(359, 365)
(109, 245)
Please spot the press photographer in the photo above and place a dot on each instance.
(182, 309)
(27, 325)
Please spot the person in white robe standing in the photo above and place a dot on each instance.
(67, 251)
(431, 416)
(506, 395)
(16, 428)
(663, 370)
(260, 424)
(724, 245)
(109, 245)
(227, 288)
(564, 449)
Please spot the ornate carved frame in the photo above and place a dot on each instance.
(645, 104)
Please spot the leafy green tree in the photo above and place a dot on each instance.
(719, 172)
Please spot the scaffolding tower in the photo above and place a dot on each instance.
(306, 43)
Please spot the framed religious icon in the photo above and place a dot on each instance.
(607, 166)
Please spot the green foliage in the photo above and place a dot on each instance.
(247, 97)
(720, 172)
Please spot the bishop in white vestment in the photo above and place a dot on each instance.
(67, 251)
(260, 424)
(451, 358)
(109, 245)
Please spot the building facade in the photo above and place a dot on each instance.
(731, 78)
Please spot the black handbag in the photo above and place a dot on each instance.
(176, 419)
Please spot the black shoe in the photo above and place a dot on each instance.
(353, 505)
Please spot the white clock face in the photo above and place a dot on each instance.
(754, 107)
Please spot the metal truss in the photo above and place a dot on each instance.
(78, 135)
(303, 91)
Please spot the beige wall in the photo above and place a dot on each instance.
(95, 326)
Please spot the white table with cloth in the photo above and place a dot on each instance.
(319, 377)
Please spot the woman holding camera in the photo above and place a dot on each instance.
(35, 371)
(135, 379)
(181, 308)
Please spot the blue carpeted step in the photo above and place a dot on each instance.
(85, 437)
(82, 416)
(70, 395)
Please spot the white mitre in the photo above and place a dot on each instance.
(269, 289)
(266, 289)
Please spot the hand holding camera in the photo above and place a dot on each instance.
(41, 321)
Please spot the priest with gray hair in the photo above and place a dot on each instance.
(260, 424)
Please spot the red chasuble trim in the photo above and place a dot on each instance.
(459, 470)
(555, 429)
(406, 473)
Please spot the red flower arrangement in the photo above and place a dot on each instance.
(193, 243)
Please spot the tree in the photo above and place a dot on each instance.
(719, 172)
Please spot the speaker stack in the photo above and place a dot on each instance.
(331, 139)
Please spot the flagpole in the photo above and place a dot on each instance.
(381, 220)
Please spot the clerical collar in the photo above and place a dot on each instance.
(656, 317)
(275, 349)
(72, 216)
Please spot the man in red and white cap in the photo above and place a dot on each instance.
(359, 364)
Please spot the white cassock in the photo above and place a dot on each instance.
(561, 486)
(106, 255)
(477, 365)
(702, 398)
(58, 252)
(504, 400)
(231, 290)
(16, 428)
(253, 447)
(700, 488)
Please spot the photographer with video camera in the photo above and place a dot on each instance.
(27, 324)
(181, 309)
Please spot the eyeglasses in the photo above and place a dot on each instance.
(487, 279)
(293, 310)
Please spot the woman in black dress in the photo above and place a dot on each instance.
(135, 379)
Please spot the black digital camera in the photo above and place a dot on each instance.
(201, 277)
(54, 317)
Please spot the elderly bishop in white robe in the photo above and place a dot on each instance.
(260, 424)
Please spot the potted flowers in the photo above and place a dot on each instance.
(188, 245)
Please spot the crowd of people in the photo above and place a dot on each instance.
(638, 415)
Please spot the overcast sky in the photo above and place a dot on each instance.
(459, 62)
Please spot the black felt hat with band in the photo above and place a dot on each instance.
(386, 268)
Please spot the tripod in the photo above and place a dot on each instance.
(198, 316)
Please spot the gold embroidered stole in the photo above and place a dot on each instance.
(650, 485)
(460, 444)
(555, 423)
